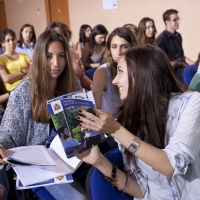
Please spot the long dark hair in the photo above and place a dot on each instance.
(3, 34)
(151, 83)
(132, 27)
(82, 37)
(21, 40)
(141, 37)
(97, 30)
(124, 33)
(60, 25)
(40, 85)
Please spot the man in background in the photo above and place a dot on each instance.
(170, 41)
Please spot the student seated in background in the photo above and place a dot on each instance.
(84, 36)
(106, 95)
(146, 31)
(170, 41)
(13, 66)
(76, 62)
(26, 120)
(157, 127)
(195, 82)
(27, 40)
(93, 50)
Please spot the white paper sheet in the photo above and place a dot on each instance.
(57, 146)
(32, 174)
(36, 155)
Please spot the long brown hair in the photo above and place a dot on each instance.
(60, 25)
(124, 33)
(151, 82)
(141, 36)
(40, 84)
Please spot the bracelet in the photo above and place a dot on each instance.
(112, 179)
(1, 146)
(134, 145)
(125, 185)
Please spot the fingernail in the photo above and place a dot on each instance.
(80, 111)
(80, 124)
(77, 117)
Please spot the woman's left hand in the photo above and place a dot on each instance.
(104, 123)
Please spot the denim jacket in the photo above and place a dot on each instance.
(183, 150)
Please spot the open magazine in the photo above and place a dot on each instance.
(36, 166)
(63, 111)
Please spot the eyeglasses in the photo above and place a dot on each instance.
(176, 19)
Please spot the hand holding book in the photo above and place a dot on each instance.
(63, 111)
(104, 123)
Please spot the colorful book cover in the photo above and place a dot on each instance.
(63, 112)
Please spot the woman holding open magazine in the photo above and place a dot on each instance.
(157, 127)
(27, 120)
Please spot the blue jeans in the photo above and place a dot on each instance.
(67, 191)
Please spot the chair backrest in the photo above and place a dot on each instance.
(98, 188)
(188, 74)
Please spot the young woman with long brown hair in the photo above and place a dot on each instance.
(157, 128)
(105, 95)
(146, 31)
(76, 62)
(27, 120)
(84, 36)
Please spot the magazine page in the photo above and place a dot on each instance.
(31, 174)
(57, 146)
(58, 180)
(74, 138)
(34, 155)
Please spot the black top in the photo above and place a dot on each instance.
(171, 45)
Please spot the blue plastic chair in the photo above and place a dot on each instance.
(90, 73)
(98, 188)
(188, 74)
